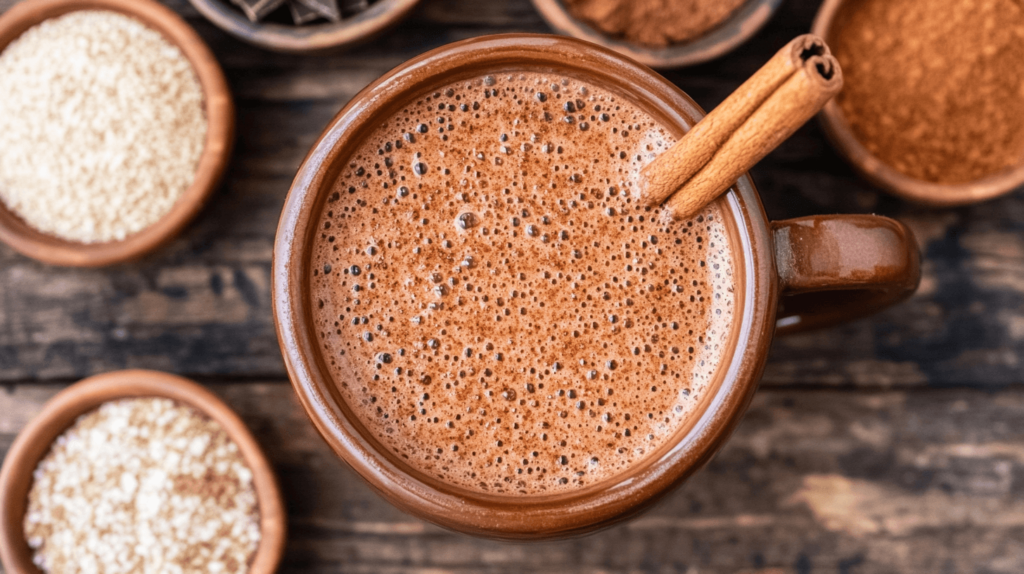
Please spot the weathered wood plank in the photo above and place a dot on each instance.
(921, 481)
(201, 306)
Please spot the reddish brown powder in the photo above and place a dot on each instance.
(935, 88)
(656, 23)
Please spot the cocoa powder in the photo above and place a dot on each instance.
(935, 88)
(656, 23)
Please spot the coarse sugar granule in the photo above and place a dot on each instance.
(102, 125)
(935, 88)
(143, 485)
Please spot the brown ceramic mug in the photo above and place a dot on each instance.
(790, 275)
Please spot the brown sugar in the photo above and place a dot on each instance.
(935, 88)
(656, 23)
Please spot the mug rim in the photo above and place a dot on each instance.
(517, 517)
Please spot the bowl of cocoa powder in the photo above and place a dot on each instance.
(138, 471)
(933, 104)
(660, 33)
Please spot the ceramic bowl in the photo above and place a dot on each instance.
(313, 38)
(718, 41)
(220, 116)
(838, 130)
(61, 412)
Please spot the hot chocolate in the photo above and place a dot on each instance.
(495, 308)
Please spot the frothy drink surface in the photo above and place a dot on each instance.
(494, 306)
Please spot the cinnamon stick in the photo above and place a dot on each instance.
(762, 113)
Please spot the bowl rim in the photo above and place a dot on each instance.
(735, 30)
(210, 168)
(305, 39)
(61, 411)
(533, 517)
(838, 131)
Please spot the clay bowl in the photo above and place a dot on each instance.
(220, 114)
(718, 41)
(61, 411)
(309, 39)
(872, 168)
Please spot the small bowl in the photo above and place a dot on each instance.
(883, 175)
(220, 115)
(61, 412)
(309, 39)
(720, 40)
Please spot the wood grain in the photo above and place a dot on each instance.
(921, 481)
(201, 306)
(852, 460)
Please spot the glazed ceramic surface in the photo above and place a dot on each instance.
(821, 269)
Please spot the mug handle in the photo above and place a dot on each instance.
(835, 268)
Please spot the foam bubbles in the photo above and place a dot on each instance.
(521, 325)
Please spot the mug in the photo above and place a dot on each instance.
(790, 276)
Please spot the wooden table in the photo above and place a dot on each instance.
(894, 444)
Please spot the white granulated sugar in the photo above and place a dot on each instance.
(101, 126)
(145, 486)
